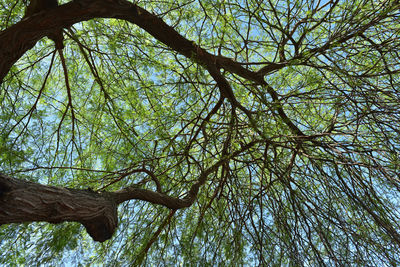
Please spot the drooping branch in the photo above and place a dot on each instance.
(21, 37)
(169, 36)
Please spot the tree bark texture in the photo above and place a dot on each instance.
(24, 201)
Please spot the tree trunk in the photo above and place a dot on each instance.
(24, 201)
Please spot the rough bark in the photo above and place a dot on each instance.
(19, 38)
(24, 201)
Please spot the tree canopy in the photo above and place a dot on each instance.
(229, 133)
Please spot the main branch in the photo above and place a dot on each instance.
(24, 201)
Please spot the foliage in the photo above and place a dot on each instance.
(306, 165)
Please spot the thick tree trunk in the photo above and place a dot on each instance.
(23, 201)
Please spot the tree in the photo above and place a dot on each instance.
(201, 132)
